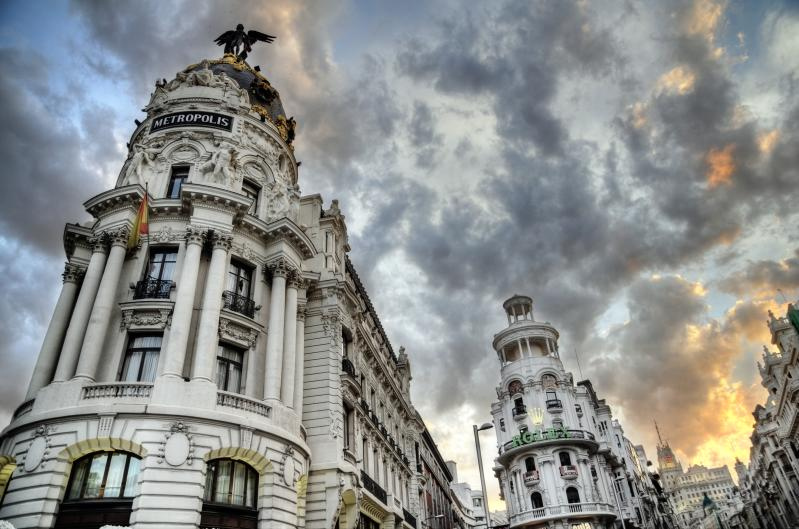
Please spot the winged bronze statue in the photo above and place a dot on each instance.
(239, 42)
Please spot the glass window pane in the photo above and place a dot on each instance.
(78, 475)
(113, 482)
(147, 342)
(95, 480)
(210, 474)
(130, 369)
(252, 488)
(150, 367)
(239, 476)
(221, 373)
(234, 378)
(132, 479)
(223, 482)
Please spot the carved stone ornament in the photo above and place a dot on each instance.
(119, 237)
(222, 240)
(39, 448)
(287, 466)
(99, 243)
(159, 319)
(195, 235)
(72, 273)
(233, 331)
(177, 447)
(279, 267)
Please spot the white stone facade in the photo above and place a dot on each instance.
(563, 459)
(233, 348)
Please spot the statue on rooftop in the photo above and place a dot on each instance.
(240, 43)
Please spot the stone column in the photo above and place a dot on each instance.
(274, 340)
(299, 366)
(208, 327)
(48, 356)
(99, 320)
(289, 341)
(175, 351)
(80, 313)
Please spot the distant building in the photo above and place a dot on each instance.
(563, 460)
(770, 483)
(435, 499)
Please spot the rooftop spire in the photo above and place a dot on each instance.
(660, 440)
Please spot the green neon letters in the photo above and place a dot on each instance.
(541, 435)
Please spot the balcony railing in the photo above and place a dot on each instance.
(409, 518)
(240, 402)
(372, 486)
(348, 367)
(568, 472)
(117, 390)
(519, 411)
(419, 468)
(239, 303)
(153, 289)
(531, 477)
(554, 405)
(555, 510)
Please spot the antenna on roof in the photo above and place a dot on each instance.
(580, 369)
(660, 440)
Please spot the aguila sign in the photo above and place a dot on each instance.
(527, 438)
(192, 119)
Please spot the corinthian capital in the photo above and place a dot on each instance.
(72, 273)
(280, 268)
(119, 237)
(194, 235)
(221, 240)
(99, 243)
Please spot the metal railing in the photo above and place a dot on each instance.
(117, 390)
(519, 410)
(565, 508)
(348, 367)
(409, 518)
(153, 289)
(239, 303)
(531, 478)
(568, 471)
(240, 402)
(554, 404)
(372, 486)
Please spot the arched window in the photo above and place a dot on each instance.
(572, 495)
(229, 482)
(515, 388)
(101, 487)
(529, 464)
(565, 459)
(536, 500)
(104, 475)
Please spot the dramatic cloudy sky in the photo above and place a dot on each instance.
(631, 165)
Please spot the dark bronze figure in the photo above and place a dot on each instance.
(239, 42)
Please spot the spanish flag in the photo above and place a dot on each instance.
(141, 226)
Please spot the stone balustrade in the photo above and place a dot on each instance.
(588, 508)
(240, 402)
(115, 390)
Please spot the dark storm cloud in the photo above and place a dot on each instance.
(424, 138)
(765, 277)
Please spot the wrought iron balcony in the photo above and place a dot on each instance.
(348, 367)
(531, 478)
(372, 486)
(152, 289)
(568, 472)
(554, 405)
(411, 519)
(365, 405)
(239, 303)
(519, 411)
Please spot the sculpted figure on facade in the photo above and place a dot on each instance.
(140, 160)
(221, 166)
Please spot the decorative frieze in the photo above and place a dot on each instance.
(231, 330)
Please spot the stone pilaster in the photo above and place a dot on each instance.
(100, 317)
(175, 351)
(289, 341)
(299, 359)
(207, 333)
(274, 343)
(48, 356)
(83, 308)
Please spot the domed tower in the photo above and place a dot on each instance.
(548, 466)
(169, 388)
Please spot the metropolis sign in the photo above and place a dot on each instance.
(192, 119)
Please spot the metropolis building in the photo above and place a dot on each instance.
(563, 460)
(226, 371)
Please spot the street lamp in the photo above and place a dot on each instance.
(436, 517)
(484, 426)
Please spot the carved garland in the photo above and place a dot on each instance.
(160, 319)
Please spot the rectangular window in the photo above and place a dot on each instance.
(251, 191)
(178, 176)
(349, 428)
(228, 368)
(141, 359)
(157, 283)
(240, 279)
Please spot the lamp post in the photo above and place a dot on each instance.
(484, 426)
(436, 517)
